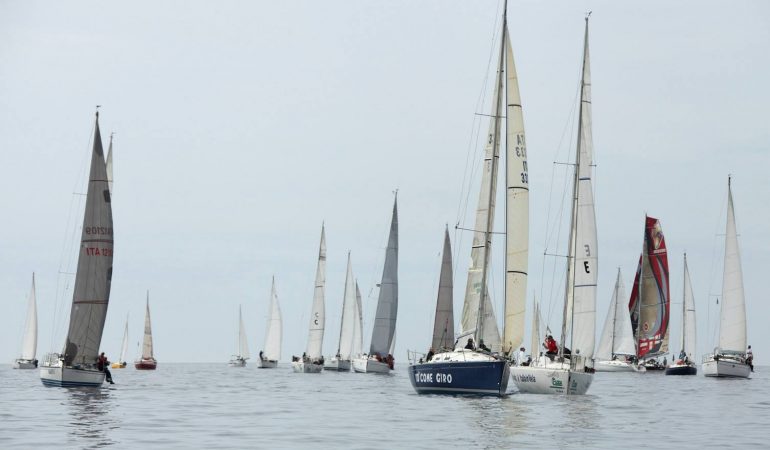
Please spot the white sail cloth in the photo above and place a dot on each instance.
(318, 313)
(732, 323)
(688, 316)
(243, 342)
(358, 328)
(617, 337)
(349, 315)
(29, 340)
(274, 331)
(387, 303)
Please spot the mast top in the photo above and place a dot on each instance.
(588, 14)
(97, 110)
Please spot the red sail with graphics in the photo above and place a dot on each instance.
(650, 300)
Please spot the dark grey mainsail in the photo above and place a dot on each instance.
(94, 271)
(387, 304)
(443, 327)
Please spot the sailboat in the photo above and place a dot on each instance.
(380, 359)
(729, 358)
(27, 358)
(239, 360)
(76, 365)
(268, 358)
(147, 361)
(121, 363)
(617, 338)
(358, 328)
(573, 373)
(650, 299)
(685, 364)
(341, 361)
(312, 361)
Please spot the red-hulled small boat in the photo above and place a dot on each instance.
(146, 364)
(147, 361)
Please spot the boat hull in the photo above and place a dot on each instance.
(368, 365)
(726, 368)
(306, 367)
(58, 376)
(237, 363)
(340, 365)
(118, 365)
(268, 364)
(146, 364)
(460, 377)
(551, 380)
(25, 364)
(682, 369)
(617, 366)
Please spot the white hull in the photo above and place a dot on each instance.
(303, 367)
(267, 364)
(366, 365)
(237, 363)
(24, 364)
(70, 377)
(340, 365)
(618, 366)
(550, 380)
(725, 367)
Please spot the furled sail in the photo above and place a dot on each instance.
(318, 313)
(732, 323)
(688, 314)
(349, 316)
(650, 299)
(274, 328)
(387, 303)
(443, 326)
(243, 343)
(147, 352)
(617, 338)
(93, 277)
(29, 341)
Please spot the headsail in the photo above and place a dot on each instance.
(349, 316)
(274, 328)
(650, 299)
(387, 303)
(617, 338)
(147, 352)
(93, 278)
(29, 342)
(732, 323)
(688, 315)
(318, 313)
(443, 326)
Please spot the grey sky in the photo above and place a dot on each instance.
(241, 126)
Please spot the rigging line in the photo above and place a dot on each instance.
(477, 231)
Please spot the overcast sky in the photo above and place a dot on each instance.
(241, 126)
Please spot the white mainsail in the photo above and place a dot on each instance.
(517, 210)
(243, 342)
(147, 352)
(29, 341)
(93, 277)
(109, 164)
(443, 325)
(617, 337)
(124, 345)
(358, 326)
(387, 303)
(688, 315)
(349, 315)
(732, 324)
(274, 328)
(582, 266)
(318, 313)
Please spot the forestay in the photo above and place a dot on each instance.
(387, 303)
(318, 313)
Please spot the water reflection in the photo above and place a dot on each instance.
(91, 422)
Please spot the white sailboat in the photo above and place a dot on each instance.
(358, 328)
(312, 361)
(341, 361)
(121, 363)
(239, 360)
(147, 361)
(379, 359)
(685, 363)
(76, 365)
(27, 358)
(574, 374)
(729, 358)
(617, 347)
(269, 357)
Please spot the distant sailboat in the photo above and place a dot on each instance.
(27, 358)
(312, 361)
(358, 329)
(239, 360)
(617, 338)
(685, 363)
(269, 357)
(729, 358)
(121, 363)
(650, 298)
(76, 366)
(341, 361)
(573, 374)
(147, 361)
(380, 360)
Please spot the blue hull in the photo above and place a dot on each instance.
(56, 383)
(458, 377)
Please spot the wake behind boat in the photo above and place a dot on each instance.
(76, 366)
(312, 361)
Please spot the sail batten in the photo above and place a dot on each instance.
(387, 303)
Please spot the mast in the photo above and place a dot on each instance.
(614, 316)
(639, 290)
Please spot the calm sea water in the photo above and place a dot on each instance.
(214, 406)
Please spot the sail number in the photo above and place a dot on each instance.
(98, 230)
(588, 253)
(96, 251)
(422, 377)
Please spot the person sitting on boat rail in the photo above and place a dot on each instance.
(482, 346)
(430, 354)
(469, 345)
(102, 365)
(550, 345)
(750, 358)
